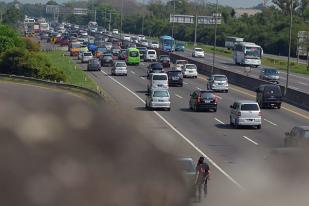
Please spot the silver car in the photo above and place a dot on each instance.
(158, 99)
(86, 56)
(119, 68)
(245, 113)
(270, 74)
(218, 82)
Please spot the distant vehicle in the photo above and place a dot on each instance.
(270, 74)
(230, 41)
(297, 137)
(140, 37)
(100, 51)
(158, 99)
(180, 63)
(203, 100)
(154, 44)
(165, 60)
(93, 26)
(189, 70)
(74, 48)
(157, 80)
(175, 78)
(115, 31)
(122, 54)
(144, 43)
(134, 39)
(248, 54)
(44, 27)
(151, 55)
(133, 56)
(167, 43)
(108, 45)
(94, 65)
(218, 82)
(126, 38)
(245, 113)
(119, 68)
(142, 51)
(269, 95)
(180, 47)
(154, 68)
(107, 60)
(44, 36)
(86, 56)
(198, 52)
(84, 48)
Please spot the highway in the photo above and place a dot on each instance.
(234, 153)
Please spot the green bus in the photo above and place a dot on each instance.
(133, 56)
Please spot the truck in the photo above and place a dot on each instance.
(44, 27)
(230, 41)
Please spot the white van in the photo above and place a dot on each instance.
(157, 81)
(151, 55)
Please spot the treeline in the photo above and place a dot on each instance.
(22, 56)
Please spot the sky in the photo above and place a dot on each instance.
(233, 3)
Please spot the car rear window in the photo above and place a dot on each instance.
(182, 62)
(191, 66)
(207, 95)
(121, 64)
(175, 73)
(159, 77)
(272, 91)
(199, 50)
(151, 52)
(107, 57)
(160, 94)
(249, 107)
(220, 78)
(87, 54)
(165, 58)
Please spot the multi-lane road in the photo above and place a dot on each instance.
(234, 153)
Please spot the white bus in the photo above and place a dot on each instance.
(247, 53)
(44, 27)
(93, 26)
(230, 41)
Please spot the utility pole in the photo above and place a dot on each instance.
(95, 15)
(174, 11)
(215, 40)
(110, 20)
(289, 53)
(121, 18)
(195, 27)
(143, 19)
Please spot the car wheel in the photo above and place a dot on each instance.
(231, 123)
(168, 109)
(226, 91)
(259, 127)
(196, 109)
(236, 126)
(215, 110)
(279, 106)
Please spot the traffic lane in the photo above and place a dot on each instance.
(273, 120)
(296, 81)
(165, 138)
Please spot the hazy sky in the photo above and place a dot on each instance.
(233, 3)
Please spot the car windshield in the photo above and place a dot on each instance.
(121, 64)
(107, 57)
(164, 58)
(249, 107)
(186, 165)
(191, 66)
(175, 73)
(253, 52)
(154, 42)
(75, 45)
(207, 95)
(220, 78)
(87, 54)
(159, 77)
(134, 54)
(199, 50)
(271, 71)
(102, 49)
(160, 94)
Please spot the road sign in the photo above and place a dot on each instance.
(184, 19)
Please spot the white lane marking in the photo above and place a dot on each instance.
(178, 96)
(270, 122)
(295, 88)
(185, 82)
(143, 78)
(132, 72)
(218, 120)
(181, 135)
(198, 88)
(250, 140)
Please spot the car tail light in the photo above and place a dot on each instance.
(238, 114)
(198, 100)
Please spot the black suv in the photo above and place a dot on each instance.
(269, 95)
(175, 78)
(107, 60)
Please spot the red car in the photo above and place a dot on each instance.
(64, 42)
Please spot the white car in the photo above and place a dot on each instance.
(154, 44)
(140, 37)
(157, 81)
(126, 38)
(115, 31)
(119, 68)
(198, 52)
(189, 70)
(151, 55)
(144, 43)
(158, 99)
(218, 82)
(86, 56)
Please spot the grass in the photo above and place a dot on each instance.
(73, 72)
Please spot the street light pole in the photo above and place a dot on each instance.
(215, 40)
(195, 27)
(289, 52)
(174, 11)
(143, 19)
(121, 18)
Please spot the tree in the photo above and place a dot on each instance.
(304, 6)
(285, 5)
(12, 16)
(5, 43)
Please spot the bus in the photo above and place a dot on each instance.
(133, 56)
(247, 53)
(167, 43)
(93, 26)
(230, 41)
(44, 27)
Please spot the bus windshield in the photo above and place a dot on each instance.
(253, 52)
(168, 42)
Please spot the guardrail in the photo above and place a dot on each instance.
(88, 92)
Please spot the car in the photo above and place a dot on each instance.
(44, 36)
(115, 31)
(151, 55)
(107, 60)
(179, 64)
(270, 74)
(198, 52)
(142, 52)
(157, 80)
(154, 68)
(189, 70)
(144, 43)
(245, 113)
(126, 38)
(165, 60)
(119, 68)
(175, 78)
(154, 44)
(180, 47)
(203, 100)
(100, 51)
(122, 54)
(108, 45)
(140, 37)
(94, 65)
(269, 95)
(158, 99)
(218, 82)
(297, 137)
(134, 39)
(86, 56)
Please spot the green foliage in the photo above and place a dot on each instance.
(5, 43)
(12, 16)
(31, 45)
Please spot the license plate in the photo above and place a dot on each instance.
(175, 78)
(190, 71)
(160, 85)
(207, 101)
(250, 120)
(161, 100)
